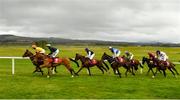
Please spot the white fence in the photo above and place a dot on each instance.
(13, 62)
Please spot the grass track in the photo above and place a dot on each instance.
(27, 85)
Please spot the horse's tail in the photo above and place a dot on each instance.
(106, 65)
(74, 61)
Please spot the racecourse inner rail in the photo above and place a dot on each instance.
(13, 61)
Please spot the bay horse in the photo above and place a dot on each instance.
(34, 61)
(87, 63)
(48, 62)
(115, 64)
(159, 65)
(135, 63)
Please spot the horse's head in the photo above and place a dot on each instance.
(78, 56)
(144, 59)
(105, 56)
(27, 53)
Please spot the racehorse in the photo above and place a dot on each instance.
(48, 62)
(34, 61)
(116, 63)
(135, 63)
(159, 65)
(87, 63)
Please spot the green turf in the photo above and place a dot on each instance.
(24, 84)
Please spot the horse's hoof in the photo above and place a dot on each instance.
(72, 76)
(153, 76)
(48, 76)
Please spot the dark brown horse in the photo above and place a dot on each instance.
(34, 61)
(159, 65)
(135, 63)
(48, 62)
(116, 63)
(87, 63)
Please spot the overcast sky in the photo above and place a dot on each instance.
(117, 20)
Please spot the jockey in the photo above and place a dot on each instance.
(90, 54)
(152, 56)
(115, 52)
(129, 55)
(161, 55)
(53, 51)
(38, 49)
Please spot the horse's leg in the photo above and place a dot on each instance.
(100, 69)
(141, 70)
(119, 73)
(148, 71)
(79, 69)
(49, 72)
(132, 70)
(175, 70)
(55, 69)
(71, 70)
(40, 70)
(172, 72)
(89, 71)
(103, 67)
(153, 73)
(164, 72)
(114, 70)
(36, 69)
(126, 72)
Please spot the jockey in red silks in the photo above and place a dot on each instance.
(152, 56)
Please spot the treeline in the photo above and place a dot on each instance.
(12, 40)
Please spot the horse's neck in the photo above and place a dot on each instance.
(83, 58)
(32, 57)
(110, 59)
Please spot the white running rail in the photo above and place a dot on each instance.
(13, 61)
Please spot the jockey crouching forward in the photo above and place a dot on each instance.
(129, 56)
(153, 58)
(90, 54)
(162, 56)
(39, 50)
(53, 51)
(115, 52)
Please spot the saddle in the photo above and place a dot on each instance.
(119, 59)
(166, 63)
(55, 60)
(93, 62)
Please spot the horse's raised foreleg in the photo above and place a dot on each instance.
(172, 71)
(103, 68)
(100, 69)
(79, 69)
(175, 70)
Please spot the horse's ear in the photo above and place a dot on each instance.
(27, 50)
